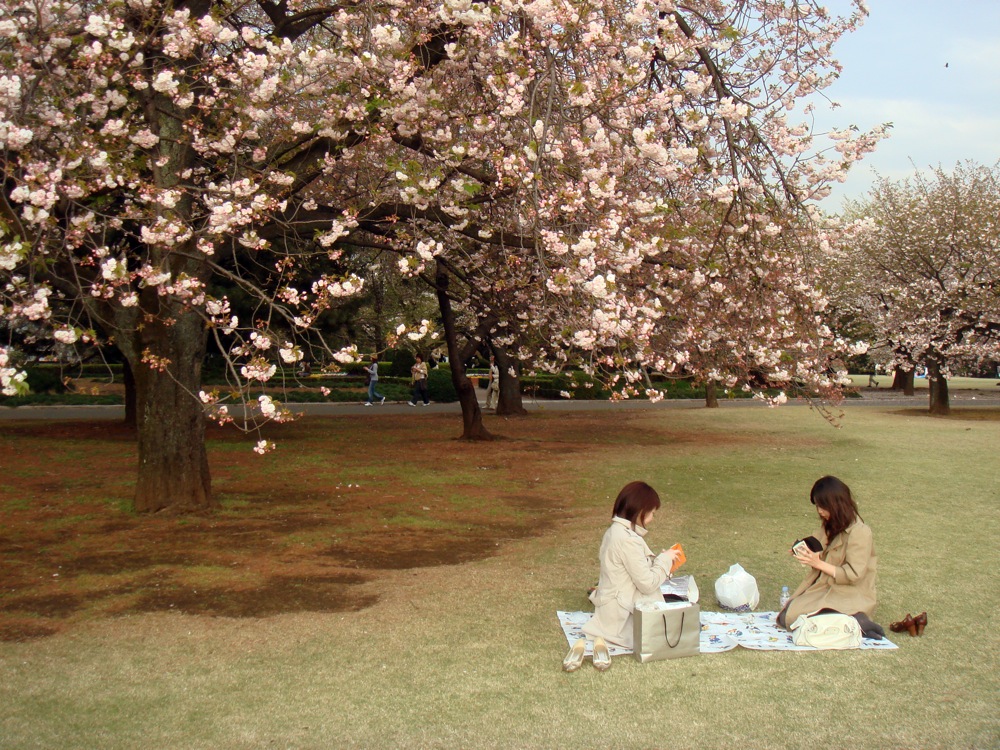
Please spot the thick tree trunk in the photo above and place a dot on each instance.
(173, 463)
(129, 380)
(472, 415)
(711, 395)
(938, 386)
(902, 380)
(510, 403)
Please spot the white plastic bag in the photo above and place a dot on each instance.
(736, 590)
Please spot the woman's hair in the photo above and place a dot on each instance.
(634, 501)
(832, 495)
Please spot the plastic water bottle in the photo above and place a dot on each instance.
(783, 599)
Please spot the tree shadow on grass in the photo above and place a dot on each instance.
(313, 529)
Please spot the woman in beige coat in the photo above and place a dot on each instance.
(630, 572)
(842, 575)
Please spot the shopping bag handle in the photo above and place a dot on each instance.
(680, 631)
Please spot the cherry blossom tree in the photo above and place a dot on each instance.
(705, 144)
(548, 166)
(756, 319)
(921, 265)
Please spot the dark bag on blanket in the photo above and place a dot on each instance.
(666, 633)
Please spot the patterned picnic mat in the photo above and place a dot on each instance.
(721, 631)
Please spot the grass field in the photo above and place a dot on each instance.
(920, 384)
(468, 655)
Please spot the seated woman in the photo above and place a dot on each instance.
(630, 572)
(842, 574)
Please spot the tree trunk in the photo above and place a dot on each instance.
(129, 380)
(938, 386)
(378, 312)
(472, 415)
(902, 380)
(173, 463)
(509, 404)
(711, 395)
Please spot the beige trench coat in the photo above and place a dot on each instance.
(630, 572)
(852, 553)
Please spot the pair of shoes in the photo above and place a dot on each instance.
(382, 401)
(912, 625)
(574, 659)
(602, 657)
(411, 403)
(369, 403)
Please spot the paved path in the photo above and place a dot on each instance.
(869, 397)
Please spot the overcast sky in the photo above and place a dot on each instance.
(930, 68)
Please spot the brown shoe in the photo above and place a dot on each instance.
(919, 623)
(905, 625)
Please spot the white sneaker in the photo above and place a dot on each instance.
(411, 403)
(368, 404)
(426, 403)
(382, 401)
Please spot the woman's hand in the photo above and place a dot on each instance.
(807, 557)
(672, 555)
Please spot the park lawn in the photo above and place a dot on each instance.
(468, 654)
(860, 380)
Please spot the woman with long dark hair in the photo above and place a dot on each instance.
(842, 574)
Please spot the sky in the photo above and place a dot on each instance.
(932, 69)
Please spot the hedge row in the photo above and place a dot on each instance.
(46, 384)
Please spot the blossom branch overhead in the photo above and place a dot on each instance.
(582, 169)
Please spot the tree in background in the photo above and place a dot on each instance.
(680, 166)
(921, 265)
(753, 316)
(153, 149)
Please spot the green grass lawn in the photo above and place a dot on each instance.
(954, 384)
(468, 656)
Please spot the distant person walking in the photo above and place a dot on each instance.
(493, 387)
(372, 371)
(419, 373)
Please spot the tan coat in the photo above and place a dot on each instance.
(630, 572)
(852, 553)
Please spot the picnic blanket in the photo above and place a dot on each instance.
(721, 631)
